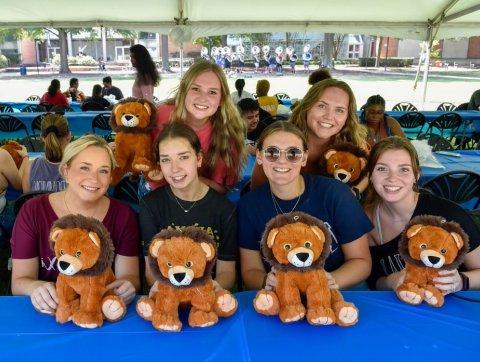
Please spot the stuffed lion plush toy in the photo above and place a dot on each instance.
(133, 120)
(15, 150)
(84, 253)
(345, 162)
(182, 263)
(296, 245)
(429, 244)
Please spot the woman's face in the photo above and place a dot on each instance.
(178, 162)
(281, 171)
(89, 174)
(203, 97)
(133, 60)
(393, 176)
(374, 113)
(328, 115)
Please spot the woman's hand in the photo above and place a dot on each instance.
(216, 286)
(448, 281)
(153, 289)
(44, 298)
(270, 280)
(124, 289)
(331, 281)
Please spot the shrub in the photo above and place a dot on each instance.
(3, 61)
(389, 62)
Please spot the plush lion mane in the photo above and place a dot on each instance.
(430, 220)
(88, 224)
(290, 218)
(12, 148)
(345, 147)
(198, 235)
(147, 130)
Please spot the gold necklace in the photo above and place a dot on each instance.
(278, 209)
(186, 210)
(70, 211)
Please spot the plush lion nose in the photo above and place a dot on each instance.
(128, 117)
(341, 176)
(179, 277)
(64, 265)
(433, 259)
(302, 256)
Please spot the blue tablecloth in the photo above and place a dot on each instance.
(18, 106)
(469, 160)
(387, 330)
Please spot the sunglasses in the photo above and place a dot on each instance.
(292, 154)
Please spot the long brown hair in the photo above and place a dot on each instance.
(54, 127)
(352, 132)
(388, 144)
(228, 126)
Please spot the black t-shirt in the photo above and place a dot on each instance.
(113, 90)
(95, 104)
(255, 134)
(386, 258)
(215, 213)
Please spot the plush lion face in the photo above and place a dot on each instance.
(344, 166)
(181, 259)
(433, 245)
(75, 249)
(295, 241)
(133, 114)
(431, 241)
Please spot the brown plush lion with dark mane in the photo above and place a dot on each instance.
(296, 246)
(182, 263)
(429, 244)
(84, 252)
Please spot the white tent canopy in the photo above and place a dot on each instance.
(408, 19)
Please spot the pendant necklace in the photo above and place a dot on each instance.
(278, 209)
(185, 210)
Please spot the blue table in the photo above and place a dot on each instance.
(18, 106)
(387, 330)
(80, 123)
(469, 160)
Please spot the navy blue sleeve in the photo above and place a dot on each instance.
(248, 236)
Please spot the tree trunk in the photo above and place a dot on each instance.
(328, 50)
(379, 50)
(165, 64)
(62, 37)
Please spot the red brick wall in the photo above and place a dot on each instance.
(392, 47)
(28, 52)
(474, 47)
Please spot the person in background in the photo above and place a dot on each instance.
(266, 102)
(96, 102)
(250, 112)
(187, 201)
(240, 94)
(293, 61)
(319, 75)
(86, 165)
(42, 173)
(474, 103)
(53, 97)
(282, 151)
(380, 126)
(73, 92)
(393, 199)
(109, 88)
(147, 75)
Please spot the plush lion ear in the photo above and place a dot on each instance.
(209, 250)
(271, 237)
(154, 246)
(458, 240)
(94, 237)
(55, 234)
(329, 154)
(116, 111)
(317, 231)
(147, 107)
(413, 230)
(363, 162)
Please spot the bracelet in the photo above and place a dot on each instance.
(465, 281)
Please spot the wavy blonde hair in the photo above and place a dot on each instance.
(352, 132)
(228, 126)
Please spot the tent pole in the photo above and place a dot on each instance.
(425, 74)
(181, 61)
(420, 59)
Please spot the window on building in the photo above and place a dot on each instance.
(353, 51)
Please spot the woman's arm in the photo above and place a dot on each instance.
(225, 274)
(127, 277)
(25, 282)
(357, 265)
(253, 271)
(9, 170)
(395, 127)
(25, 174)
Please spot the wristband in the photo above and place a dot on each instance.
(465, 281)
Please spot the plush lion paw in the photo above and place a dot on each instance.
(433, 296)
(154, 175)
(165, 322)
(63, 314)
(145, 307)
(320, 316)
(141, 164)
(226, 304)
(266, 302)
(347, 313)
(410, 296)
(199, 318)
(88, 319)
(292, 313)
(113, 308)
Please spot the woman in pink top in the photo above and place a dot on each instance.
(203, 102)
(147, 76)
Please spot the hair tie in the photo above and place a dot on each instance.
(53, 129)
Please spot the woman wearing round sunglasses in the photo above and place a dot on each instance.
(282, 152)
(327, 113)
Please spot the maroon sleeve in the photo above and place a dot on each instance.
(123, 228)
(25, 234)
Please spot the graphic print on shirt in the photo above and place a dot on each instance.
(334, 246)
(52, 263)
(392, 264)
(210, 231)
